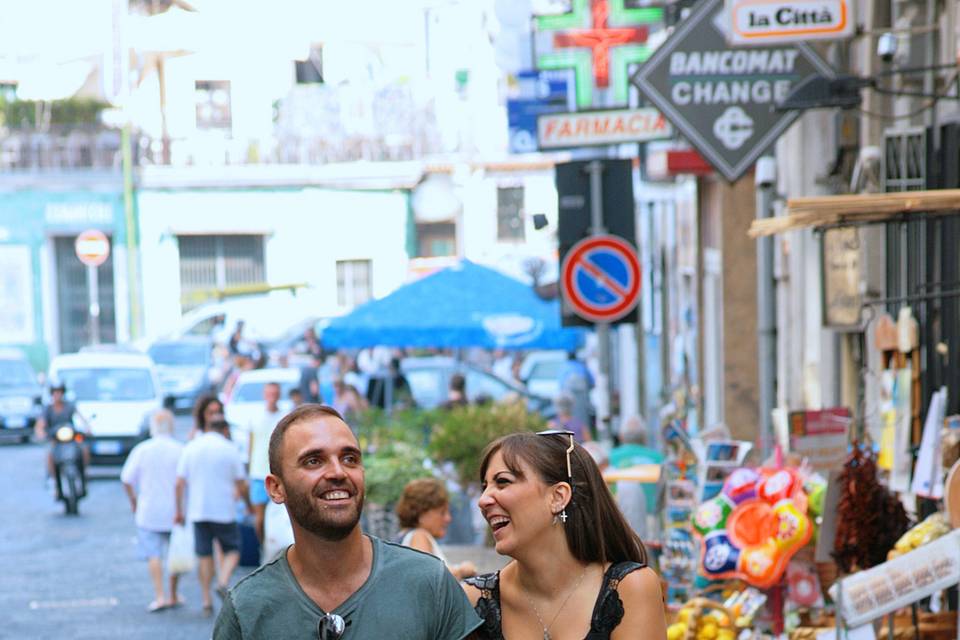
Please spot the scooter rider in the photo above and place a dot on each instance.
(58, 413)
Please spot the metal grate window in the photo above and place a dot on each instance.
(510, 213)
(905, 159)
(212, 264)
(354, 282)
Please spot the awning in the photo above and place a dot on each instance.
(857, 209)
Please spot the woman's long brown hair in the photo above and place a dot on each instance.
(596, 530)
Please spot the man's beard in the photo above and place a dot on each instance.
(316, 520)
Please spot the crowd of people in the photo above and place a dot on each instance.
(577, 562)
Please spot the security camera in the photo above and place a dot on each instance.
(765, 174)
(887, 47)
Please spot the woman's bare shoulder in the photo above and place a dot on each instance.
(642, 583)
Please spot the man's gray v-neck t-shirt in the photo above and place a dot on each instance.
(409, 595)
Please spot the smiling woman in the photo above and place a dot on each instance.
(578, 570)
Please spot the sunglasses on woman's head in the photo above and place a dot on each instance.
(562, 433)
(331, 627)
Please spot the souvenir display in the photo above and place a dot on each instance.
(752, 529)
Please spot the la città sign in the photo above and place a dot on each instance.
(766, 21)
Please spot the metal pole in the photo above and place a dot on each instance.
(595, 169)
(93, 295)
(766, 174)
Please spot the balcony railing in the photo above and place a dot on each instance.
(60, 148)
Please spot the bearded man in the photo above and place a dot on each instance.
(335, 581)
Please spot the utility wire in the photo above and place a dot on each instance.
(915, 112)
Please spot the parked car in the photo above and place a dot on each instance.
(265, 317)
(114, 393)
(245, 400)
(20, 396)
(429, 380)
(185, 370)
(540, 372)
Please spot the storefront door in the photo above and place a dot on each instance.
(72, 298)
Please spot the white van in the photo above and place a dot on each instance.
(115, 393)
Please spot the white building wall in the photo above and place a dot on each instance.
(807, 371)
(479, 241)
(307, 230)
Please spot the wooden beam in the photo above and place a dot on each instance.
(855, 209)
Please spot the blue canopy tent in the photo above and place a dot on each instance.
(466, 305)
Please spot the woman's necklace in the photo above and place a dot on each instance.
(546, 627)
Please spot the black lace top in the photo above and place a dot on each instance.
(607, 612)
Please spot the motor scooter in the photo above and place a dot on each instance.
(69, 469)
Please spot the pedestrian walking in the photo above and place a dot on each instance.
(576, 565)
(424, 513)
(260, 429)
(566, 420)
(456, 392)
(334, 577)
(207, 409)
(210, 474)
(636, 500)
(576, 381)
(347, 400)
(149, 477)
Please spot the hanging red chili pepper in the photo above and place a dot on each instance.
(870, 519)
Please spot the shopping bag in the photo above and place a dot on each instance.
(181, 557)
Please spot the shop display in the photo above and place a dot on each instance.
(869, 518)
(708, 619)
(752, 529)
(702, 619)
(927, 531)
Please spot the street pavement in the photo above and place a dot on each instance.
(79, 577)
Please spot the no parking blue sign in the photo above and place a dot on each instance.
(600, 278)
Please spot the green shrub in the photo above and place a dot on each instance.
(389, 469)
(375, 429)
(72, 111)
(460, 435)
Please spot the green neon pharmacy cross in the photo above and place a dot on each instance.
(599, 40)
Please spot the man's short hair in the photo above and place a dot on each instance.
(161, 422)
(300, 414)
(458, 382)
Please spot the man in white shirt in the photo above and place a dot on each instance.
(149, 477)
(211, 473)
(260, 430)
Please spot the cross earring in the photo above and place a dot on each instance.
(563, 516)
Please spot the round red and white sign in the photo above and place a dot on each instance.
(92, 247)
(600, 278)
